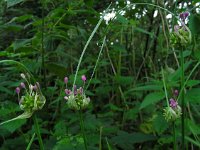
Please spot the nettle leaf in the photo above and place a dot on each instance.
(152, 98)
(160, 124)
(193, 95)
(124, 80)
(194, 22)
(125, 140)
(147, 88)
(11, 3)
(14, 125)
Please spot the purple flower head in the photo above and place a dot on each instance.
(22, 85)
(176, 92)
(184, 15)
(67, 91)
(66, 80)
(17, 90)
(83, 77)
(173, 103)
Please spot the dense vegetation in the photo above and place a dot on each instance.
(89, 74)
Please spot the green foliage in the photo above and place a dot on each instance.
(46, 38)
(152, 98)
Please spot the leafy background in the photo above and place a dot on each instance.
(127, 96)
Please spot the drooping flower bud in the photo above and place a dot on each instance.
(22, 85)
(17, 90)
(176, 92)
(66, 80)
(83, 77)
(23, 76)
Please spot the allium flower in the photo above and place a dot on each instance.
(76, 98)
(33, 99)
(30, 102)
(173, 112)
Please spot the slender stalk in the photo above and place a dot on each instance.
(82, 129)
(174, 133)
(183, 101)
(165, 88)
(42, 47)
(30, 143)
(37, 130)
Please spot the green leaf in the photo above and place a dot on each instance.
(194, 22)
(160, 124)
(125, 140)
(124, 80)
(11, 3)
(152, 98)
(193, 95)
(147, 88)
(14, 125)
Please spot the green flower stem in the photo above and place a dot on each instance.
(82, 129)
(182, 101)
(37, 130)
(174, 132)
(165, 88)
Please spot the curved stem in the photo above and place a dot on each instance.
(37, 130)
(182, 101)
(164, 84)
(82, 129)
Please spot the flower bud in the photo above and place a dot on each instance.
(23, 76)
(66, 80)
(22, 85)
(176, 92)
(17, 90)
(83, 77)
(173, 103)
(184, 15)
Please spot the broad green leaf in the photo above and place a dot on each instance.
(11, 3)
(147, 88)
(193, 95)
(152, 98)
(126, 140)
(160, 124)
(14, 125)
(194, 22)
(124, 80)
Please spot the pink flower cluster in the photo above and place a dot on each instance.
(75, 90)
